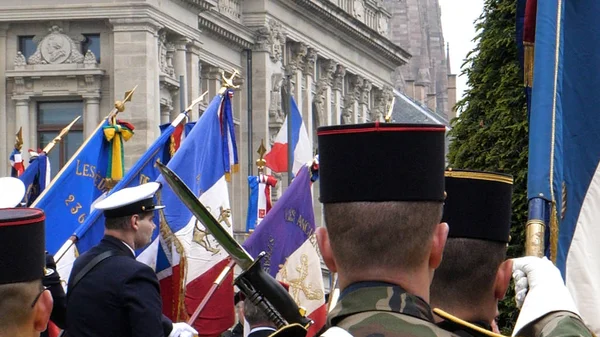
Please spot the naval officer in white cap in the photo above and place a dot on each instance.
(110, 293)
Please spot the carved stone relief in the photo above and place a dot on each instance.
(365, 92)
(338, 77)
(89, 60)
(56, 48)
(358, 9)
(165, 54)
(383, 26)
(299, 51)
(271, 38)
(309, 61)
(20, 60)
(275, 111)
(383, 101)
(320, 99)
(348, 109)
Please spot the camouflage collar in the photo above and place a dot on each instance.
(378, 296)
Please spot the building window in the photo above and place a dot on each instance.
(52, 118)
(91, 42)
(26, 46)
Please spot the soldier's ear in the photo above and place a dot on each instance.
(325, 248)
(42, 311)
(440, 235)
(503, 276)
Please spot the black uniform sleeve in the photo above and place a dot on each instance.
(141, 294)
(52, 281)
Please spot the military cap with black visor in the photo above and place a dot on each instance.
(407, 161)
(130, 201)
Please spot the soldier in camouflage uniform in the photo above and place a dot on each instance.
(382, 189)
(475, 274)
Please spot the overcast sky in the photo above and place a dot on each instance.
(457, 23)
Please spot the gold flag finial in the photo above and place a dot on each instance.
(228, 82)
(19, 139)
(120, 105)
(62, 133)
(261, 162)
(388, 117)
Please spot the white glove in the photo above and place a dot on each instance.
(539, 289)
(182, 330)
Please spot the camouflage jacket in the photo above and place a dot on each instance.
(556, 324)
(382, 309)
(378, 309)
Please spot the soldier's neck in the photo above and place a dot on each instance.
(415, 282)
(124, 236)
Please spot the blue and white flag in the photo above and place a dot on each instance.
(36, 177)
(67, 200)
(564, 149)
(91, 231)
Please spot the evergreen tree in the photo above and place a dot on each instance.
(491, 131)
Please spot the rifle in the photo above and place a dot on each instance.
(259, 287)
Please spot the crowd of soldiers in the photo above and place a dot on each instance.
(416, 237)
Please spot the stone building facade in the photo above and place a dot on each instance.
(78, 57)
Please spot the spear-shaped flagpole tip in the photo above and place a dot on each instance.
(196, 101)
(120, 105)
(19, 139)
(261, 162)
(62, 133)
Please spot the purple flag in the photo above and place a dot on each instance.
(286, 227)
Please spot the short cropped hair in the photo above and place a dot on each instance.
(15, 303)
(389, 234)
(255, 316)
(467, 273)
(122, 222)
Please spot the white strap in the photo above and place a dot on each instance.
(336, 331)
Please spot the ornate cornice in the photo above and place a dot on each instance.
(232, 33)
(198, 5)
(355, 29)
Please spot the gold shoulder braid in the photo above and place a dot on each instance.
(459, 321)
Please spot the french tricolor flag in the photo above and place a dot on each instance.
(259, 199)
(186, 256)
(277, 158)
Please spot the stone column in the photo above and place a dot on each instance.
(165, 114)
(135, 62)
(179, 63)
(193, 70)
(364, 101)
(307, 107)
(5, 144)
(296, 62)
(211, 78)
(22, 120)
(350, 110)
(329, 68)
(92, 114)
(338, 82)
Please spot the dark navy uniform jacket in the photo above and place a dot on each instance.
(119, 297)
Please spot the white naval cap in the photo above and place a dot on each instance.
(13, 191)
(130, 201)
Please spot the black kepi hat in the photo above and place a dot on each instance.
(478, 205)
(22, 245)
(376, 162)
